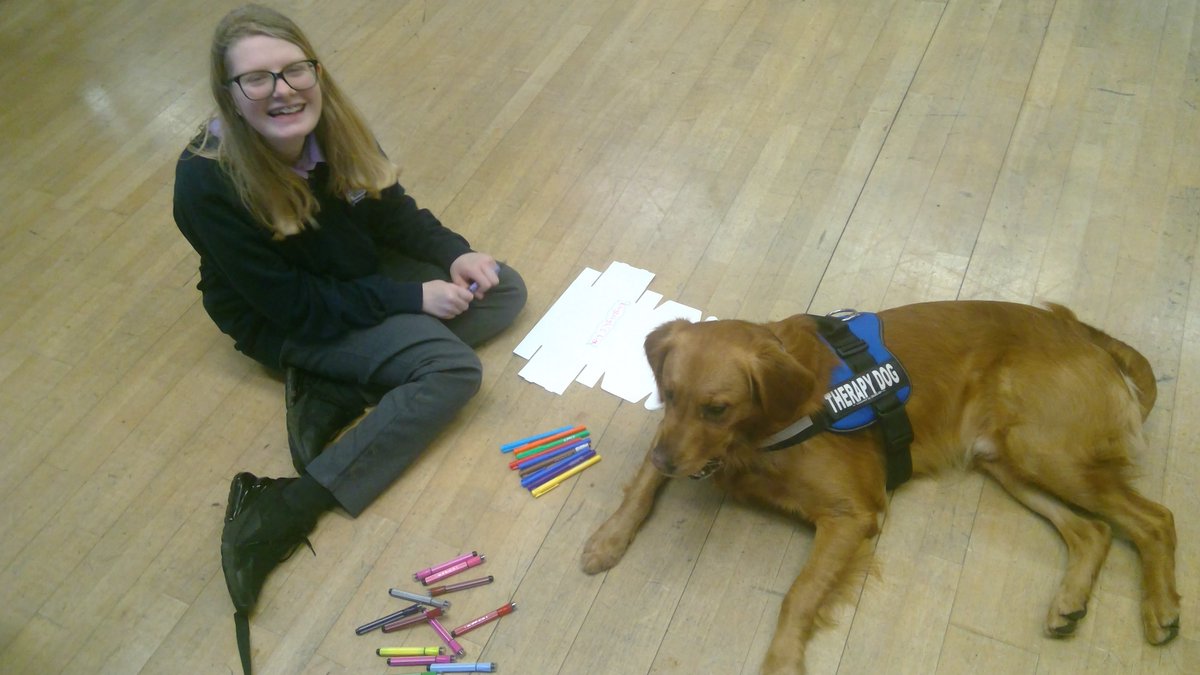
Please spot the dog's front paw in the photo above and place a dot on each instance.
(1064, 618)
(604, 549)
(783, 664)
(1161, 622)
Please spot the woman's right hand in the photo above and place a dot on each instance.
(444, 299)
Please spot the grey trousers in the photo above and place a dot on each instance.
(420, 370)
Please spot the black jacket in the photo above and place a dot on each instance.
(312, 286)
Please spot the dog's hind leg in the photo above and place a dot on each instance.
(1087, 539)
(836, 546)
(1151, 527)
(1095, 478)
(608, 543)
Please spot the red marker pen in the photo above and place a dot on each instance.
(486, 618)
(460, 586)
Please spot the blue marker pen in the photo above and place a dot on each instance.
(480, 667)
(536, 437)
(557, 467)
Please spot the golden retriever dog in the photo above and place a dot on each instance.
(1048, 406)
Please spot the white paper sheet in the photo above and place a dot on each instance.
(594, 333)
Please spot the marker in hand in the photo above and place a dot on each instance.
(475, 284)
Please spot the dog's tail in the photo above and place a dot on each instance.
(1132, 363)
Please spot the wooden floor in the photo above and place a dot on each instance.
(761, 157)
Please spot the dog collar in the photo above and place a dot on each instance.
(797, 432)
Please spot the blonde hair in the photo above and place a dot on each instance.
(274, 194)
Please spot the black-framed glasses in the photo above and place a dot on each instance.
(260, 84)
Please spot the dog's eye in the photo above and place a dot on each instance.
(668, 396)
(714, 411)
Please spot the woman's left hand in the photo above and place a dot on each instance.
(478, 269)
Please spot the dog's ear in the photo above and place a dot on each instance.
(797, 333)
(781, 384)
(658, 343)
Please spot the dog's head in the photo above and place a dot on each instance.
(725, 385)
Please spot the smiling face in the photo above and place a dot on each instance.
(286, 116)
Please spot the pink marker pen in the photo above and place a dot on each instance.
(418, 660)
(441, 566)
(455, 569)
(455, 648)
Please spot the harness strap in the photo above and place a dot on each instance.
(889, 409)
(893, 421)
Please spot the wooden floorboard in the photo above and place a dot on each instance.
(761, 157)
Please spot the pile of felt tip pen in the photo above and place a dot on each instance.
(426, 609)
(547, 459)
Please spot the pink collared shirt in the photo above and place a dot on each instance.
(310, 155)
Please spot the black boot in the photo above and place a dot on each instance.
(317, 409)
(261, 530)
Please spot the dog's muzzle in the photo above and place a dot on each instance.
(709, 469)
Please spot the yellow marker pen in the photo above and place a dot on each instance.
(410, 651)
(557, 480)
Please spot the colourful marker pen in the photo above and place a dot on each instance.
(553, 437)
(486, 618)
(418, 660)
(534, 462)
(410, 651)
(481, 667)
(526, 462)
(451, 571)
(522, 454)
(560, 478)
(394, 616)
(455, 648)
(533, 480)
(449, 563)
(423, 599)
(558, 463)
(412, 620)
(507, 447)
(461, 586)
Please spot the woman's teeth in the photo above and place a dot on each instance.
(286, 111)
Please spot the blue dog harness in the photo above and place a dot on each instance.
(868, 387)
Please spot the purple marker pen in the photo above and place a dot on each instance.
(475, 284)
(412, 620)
(394, 616)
